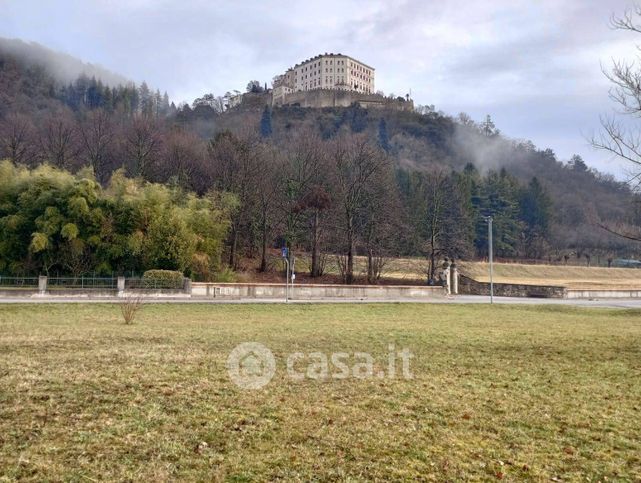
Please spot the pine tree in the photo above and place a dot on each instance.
(488, 128)
(577, 164)
(146, 100)
(535, 212)
(165, 104)
(499, 198)
(383, 136)
(266, 123)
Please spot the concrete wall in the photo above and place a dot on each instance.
(311, 292)
(469, 286)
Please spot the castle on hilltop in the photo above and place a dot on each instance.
(331, 80)
(327, 71)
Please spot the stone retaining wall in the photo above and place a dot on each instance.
(319, 98)
(470, 286)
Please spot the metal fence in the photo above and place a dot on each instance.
(82, 283)
(91, 283)
(18, 282)
(153, 284)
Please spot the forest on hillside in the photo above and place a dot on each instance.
(339, 181)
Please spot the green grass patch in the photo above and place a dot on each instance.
(514, 392)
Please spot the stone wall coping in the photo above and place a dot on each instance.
(324, 285)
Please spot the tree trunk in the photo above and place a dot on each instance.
(349, 273)
(263, 252)
(370, 267)
(315, 271)
(432, 264)
(232, 248)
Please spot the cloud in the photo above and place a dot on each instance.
(534, 66)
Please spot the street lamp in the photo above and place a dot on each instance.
(491, 256)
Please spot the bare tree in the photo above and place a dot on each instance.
(436, 193)
(304, 169)
(16, 138)
(618, 137)
(316, 201)
(58, 140)
(356, 162)
(97, 135)
(142, 145)
(234, 164)
(265, 197)
(181, 157)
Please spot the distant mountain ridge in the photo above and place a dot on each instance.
(62, 67)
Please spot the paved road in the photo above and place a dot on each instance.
(459, 299)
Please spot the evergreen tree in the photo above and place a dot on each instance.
(383, 137)
(499, 198)
(357, 118)
(165, 109)
(146, 100)
(577, 164)
(488, 128)
(535, 212)
(266, 123)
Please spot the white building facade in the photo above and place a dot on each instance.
(327, 71)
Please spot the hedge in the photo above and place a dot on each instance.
(163, 278)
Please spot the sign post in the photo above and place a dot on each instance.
(285, 254)
(491, 256)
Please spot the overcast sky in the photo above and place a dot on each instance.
(533, 65)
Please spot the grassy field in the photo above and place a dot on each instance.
(503, 392)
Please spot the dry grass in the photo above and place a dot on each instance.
(408, 270)
(520, 393)
(566, 276)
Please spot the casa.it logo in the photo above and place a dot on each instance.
(251, 365)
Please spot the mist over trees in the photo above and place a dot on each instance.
(334, 182)
(62, 67)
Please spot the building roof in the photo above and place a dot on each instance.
(333, 55)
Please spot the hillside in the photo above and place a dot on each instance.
(62, 67)
(341, 181)
(422, 142)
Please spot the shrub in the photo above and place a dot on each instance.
(129, 306)
(163, 279)
(226, 275)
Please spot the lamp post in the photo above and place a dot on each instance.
(491, 256)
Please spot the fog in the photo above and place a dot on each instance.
(63, 67)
